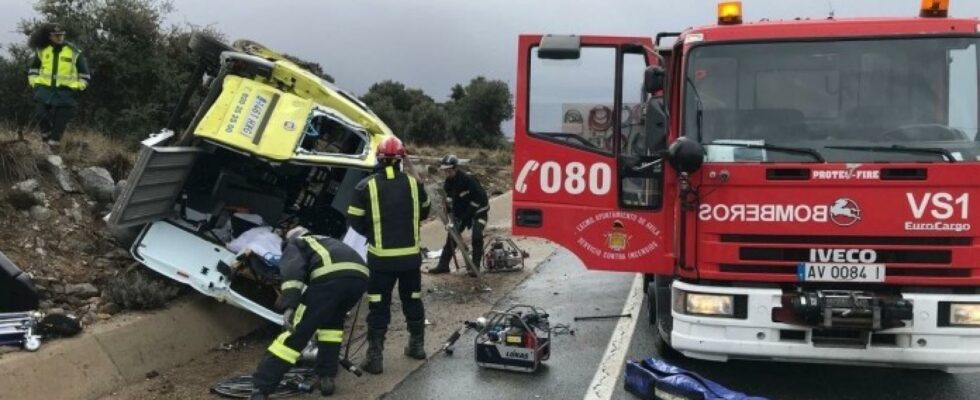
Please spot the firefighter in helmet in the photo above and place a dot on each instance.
(57, 74)
(469, 204)
(322, 279)
(386, 208)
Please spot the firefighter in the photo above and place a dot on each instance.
(469, 204)
(322, 279)
(58, 74)
(386, 209)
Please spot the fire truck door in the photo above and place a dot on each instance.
(587, 157)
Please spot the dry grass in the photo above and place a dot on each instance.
(85, 149)
(17, 158)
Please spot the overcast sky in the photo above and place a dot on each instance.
(432, 44)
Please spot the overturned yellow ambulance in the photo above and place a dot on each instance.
(271, 146)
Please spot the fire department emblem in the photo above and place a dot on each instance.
(617, 239)
(289, 125)
(845, 212)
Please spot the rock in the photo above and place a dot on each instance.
(120, 186)
(28, 186)
(76, 215)
(110, 308)
(97, 183)
(46, 304)
(24, 195)
(82, 290)
(56, 311)
(40, 251)
(117, 254)
(40, 213)
(56, 167)
(89, 318)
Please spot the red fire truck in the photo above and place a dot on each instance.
(799, 190)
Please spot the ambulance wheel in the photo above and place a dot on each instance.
(208, 49)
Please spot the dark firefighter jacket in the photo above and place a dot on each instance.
(466, 195)
(57, 74)
(311, 259)
(386, 208)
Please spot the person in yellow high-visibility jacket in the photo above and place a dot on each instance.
(57, 75)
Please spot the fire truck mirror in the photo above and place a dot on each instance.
(686, 155)
(560, 47)
(653, 79)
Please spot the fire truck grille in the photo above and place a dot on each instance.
(907, 259)
(884, 255)
(849, 240)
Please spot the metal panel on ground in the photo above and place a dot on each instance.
(154, 183)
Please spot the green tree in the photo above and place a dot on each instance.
(478, 109)
(410, 113)
(428, 123)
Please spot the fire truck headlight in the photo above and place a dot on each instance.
(709, 304)
(961, 314)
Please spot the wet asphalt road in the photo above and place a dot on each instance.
(575, 358)
(565, 289)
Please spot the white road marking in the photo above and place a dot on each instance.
(604, 382)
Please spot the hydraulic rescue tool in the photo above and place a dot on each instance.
(503, 255)
(518, 339)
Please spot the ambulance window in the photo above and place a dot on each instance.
(324, 135)
(572, 100)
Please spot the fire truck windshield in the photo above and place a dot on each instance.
(886, 100)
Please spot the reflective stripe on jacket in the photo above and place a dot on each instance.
(311, 259)
(58, 66)
(387, 208)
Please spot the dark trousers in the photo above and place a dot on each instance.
(321, 313)
(379, 291)
(52, 120)
(478, 222)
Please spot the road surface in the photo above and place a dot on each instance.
(566, 289)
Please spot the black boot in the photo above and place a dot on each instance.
(416, 340)
(256, 395)
(441, 269)
(374, 360)
(327, 386)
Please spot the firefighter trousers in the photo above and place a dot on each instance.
(478, 222)
(321, 313)
(379, 291)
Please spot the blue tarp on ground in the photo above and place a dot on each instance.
(655, 379)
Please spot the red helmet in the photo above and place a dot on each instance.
(391, 148)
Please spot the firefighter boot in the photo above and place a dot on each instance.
(374, 361)
(257, 395)
(416, 340)
(327, 386)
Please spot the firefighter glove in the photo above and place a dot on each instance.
(289, 298)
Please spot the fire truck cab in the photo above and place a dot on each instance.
(797, 190)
